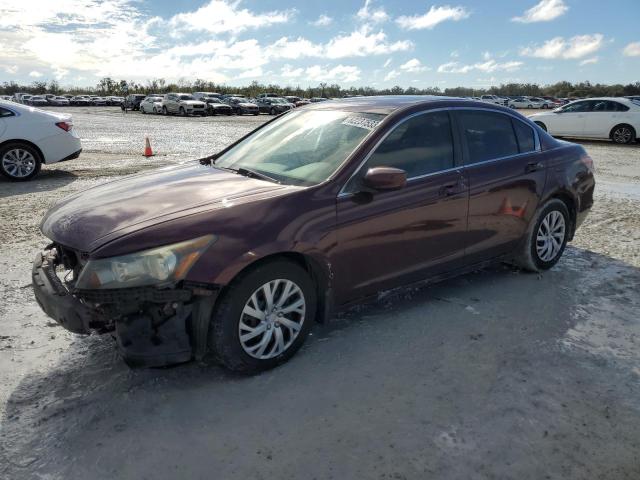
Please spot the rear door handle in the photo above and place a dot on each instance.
(448, 190)
(533, 167)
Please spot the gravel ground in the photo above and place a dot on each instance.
(494, 375)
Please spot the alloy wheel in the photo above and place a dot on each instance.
(622, 135)
(271, 319)
(550, 237)
(18, 163)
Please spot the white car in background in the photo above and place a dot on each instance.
(614, 118)
(496, 100)
(526, 102)
(151, 105)
(30, 137)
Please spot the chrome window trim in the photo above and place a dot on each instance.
(537, 145)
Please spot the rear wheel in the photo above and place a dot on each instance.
(183, 112)
(623, 134)
(19, 162)
(546, 237)
(164, 111)
(263, 317)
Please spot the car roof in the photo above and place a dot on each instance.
(384, 104)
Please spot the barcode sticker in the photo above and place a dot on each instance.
(361, 122)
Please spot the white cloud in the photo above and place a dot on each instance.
(632, 50)
(488, 66)
(544, 11)
(339, 73)
(573, 48)
(252, 73)
(367, 14)
(433, 17)
(289, 72)
(35, 74)
(293, 49)
(10, 69)
(322, 21)
(388, 62)
(413, 66)
(363, 42)
(220, 16)
(590, 61)
(391, 75)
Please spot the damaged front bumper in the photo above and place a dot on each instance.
(152, 327)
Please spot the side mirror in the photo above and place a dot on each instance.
(385, 178)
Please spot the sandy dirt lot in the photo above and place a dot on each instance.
(495, 375)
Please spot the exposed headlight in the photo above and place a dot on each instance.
(156, 266)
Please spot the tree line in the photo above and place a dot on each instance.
(109, 86)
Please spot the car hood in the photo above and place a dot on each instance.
(87, 220)
(192, 102)
(246, 104)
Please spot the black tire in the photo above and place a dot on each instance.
(183, 112)
(22, 146)
(229, 113)
(142, 110)
(165, 111)
(272, 112)
(528, 257)
(224, 338)
(541, 125)
(623, 134)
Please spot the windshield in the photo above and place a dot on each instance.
(302, 148)
(186, 97)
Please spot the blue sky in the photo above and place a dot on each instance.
(380, 43)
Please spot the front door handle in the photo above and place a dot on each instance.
(533, 167)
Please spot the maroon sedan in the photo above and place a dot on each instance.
(238, 255)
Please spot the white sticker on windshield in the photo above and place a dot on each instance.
(361, 122)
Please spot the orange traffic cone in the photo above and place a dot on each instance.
(147, 148)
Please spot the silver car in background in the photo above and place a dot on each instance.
(182, 104)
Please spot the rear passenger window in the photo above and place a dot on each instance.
(421, 145)
(5, 113)
(525, 136)
(489, 135)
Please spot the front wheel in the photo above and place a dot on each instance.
(165, 111)
(546, 237)
(623, 134)
(183, 112)
(263, 317)
(19, 162)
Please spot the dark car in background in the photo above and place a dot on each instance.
(81, 101)
(132, 102)
(274, 106)
(215, 106)
(37, 101)
(238, 255)
(242, 106)
(297, 101)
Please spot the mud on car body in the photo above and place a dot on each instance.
(239, 254)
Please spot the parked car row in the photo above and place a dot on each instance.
(211, 103)
(50, 100)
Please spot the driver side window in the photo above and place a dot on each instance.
(419, 146)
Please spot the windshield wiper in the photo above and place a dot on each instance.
(245, 172)
(253, 174)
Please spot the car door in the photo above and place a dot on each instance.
(393, 237)
(570, 120)
(604, 115)
(4, 114)
(506, 174)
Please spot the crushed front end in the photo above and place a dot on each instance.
(154, 325)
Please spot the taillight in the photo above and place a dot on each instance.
(66, 126)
